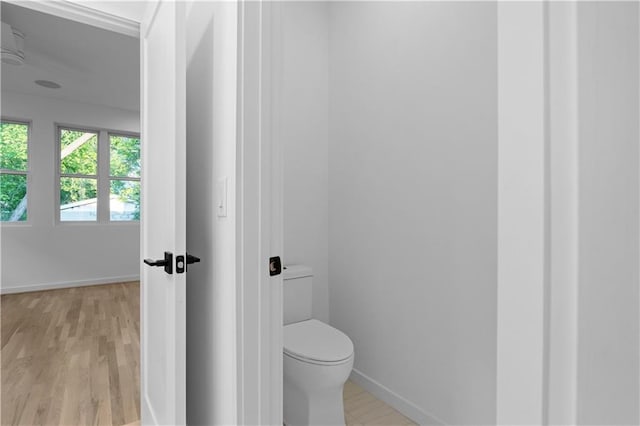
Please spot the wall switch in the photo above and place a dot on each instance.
(221, 197)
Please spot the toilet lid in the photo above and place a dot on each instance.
(316, 341)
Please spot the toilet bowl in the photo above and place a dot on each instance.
(317, 362)
(317, 358)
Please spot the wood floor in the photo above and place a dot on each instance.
(71, 356)
(362, 408)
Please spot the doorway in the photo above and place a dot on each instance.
(70, 304)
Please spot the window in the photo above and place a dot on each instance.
(99, 176)
(78, 175)
(124, 177)
(14, 166)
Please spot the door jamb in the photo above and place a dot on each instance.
(259, 226)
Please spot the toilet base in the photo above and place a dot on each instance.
(325, 407)
(313, 393)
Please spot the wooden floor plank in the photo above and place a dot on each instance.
(362, 408)
(68, 356)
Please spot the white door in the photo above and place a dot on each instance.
(163, 293)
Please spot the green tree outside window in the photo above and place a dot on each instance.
(124, 165)
(79, 172)
(14, 139)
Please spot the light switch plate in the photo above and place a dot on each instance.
(221, 197)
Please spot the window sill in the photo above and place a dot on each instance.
(88, 223)
(16, 224)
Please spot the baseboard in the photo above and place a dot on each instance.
(67, 284)
(404, 406)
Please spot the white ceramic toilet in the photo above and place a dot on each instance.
(317, 357)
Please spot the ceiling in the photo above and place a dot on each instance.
(92, 65)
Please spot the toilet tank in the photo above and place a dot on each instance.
(297, 291)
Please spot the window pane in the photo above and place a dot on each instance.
(13, 146)
(13, 197)
(78, 152)
(124, 200)
(125, 156)
(78, 199)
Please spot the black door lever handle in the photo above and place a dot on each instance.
(191, 259)
(167, 262)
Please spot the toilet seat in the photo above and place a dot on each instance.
(315, 342)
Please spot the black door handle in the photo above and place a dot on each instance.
(181, 267)
(167, 262)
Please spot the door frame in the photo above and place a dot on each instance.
(522, 215)
(259, 201)
(260, 219)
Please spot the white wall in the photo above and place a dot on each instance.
(211, 155)
(304, 127)
(41, 254)
(608, 311)
(413, 201)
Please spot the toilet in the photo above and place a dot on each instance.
(317, 357)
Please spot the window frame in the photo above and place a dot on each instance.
(123, 178)
(60, 175)
(103, 175)
(26, 172)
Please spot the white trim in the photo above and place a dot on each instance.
(522, 221)
(259, 231)
(243, 243)
(83, 14)
(147, 411)
(148, 19)
(564, 190)
(67, 284)
(403, 405)
(272, 211)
